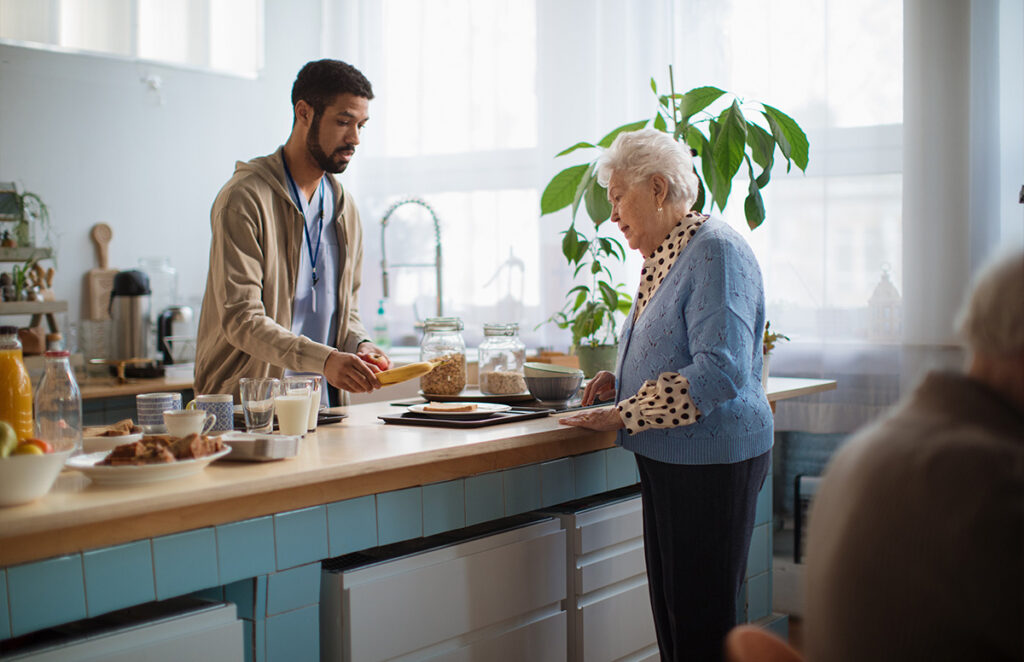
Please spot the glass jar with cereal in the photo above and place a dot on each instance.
(501, 360)
(442, 339)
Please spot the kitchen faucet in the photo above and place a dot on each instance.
(436, 264)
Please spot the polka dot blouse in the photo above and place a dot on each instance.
(664, 402)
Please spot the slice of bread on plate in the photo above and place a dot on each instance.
(450, 407)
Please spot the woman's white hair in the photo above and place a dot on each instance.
(991, 321)
(638, 155)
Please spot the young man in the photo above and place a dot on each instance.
(286, 252)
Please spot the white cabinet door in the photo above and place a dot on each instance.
(453, 601)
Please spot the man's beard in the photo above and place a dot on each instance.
(325, 162)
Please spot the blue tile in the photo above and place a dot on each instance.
(185, 562)
(590, 472)
(46, 593)
(294, 636)
(763, 515)
(247, 635)
(245, 549)
(759, 597)
(444, 507)
(621, 467)
(117, 577)
(758, 558)
(522, 489)
(556, 482)
(259, 641)
(352, 525)
(261, 597)
(300, 536)
(291, 589)
(778, 624)
(212, 594)
(243, 594)
(484, 498)
(5, 616)
(399, 515)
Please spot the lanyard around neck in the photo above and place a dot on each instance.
(314, 255)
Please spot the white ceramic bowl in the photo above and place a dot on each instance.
(97, 444)
(25, 478)
(534, 369)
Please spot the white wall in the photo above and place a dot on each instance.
(87, 135)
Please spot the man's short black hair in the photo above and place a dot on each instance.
(321, 80)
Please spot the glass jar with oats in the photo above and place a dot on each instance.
(501, 360)
(442, 340)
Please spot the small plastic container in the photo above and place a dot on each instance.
(501, 357)
(442, 339)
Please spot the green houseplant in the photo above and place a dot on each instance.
(722, 141)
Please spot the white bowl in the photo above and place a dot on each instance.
(25, 478)
(535, 369)
(97, 444)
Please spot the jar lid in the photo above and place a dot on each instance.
(442, 324)
(57, 354)
(8, 330)
(501, 329)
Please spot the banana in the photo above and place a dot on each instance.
(411, 371)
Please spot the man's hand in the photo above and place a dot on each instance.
(599, 389)
(350, 373)
(374, 356)
(601, 419)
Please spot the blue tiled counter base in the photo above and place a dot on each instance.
(270, 566)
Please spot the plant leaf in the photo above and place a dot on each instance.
(654, 86)
(698, 204)
(762, 147)
(596, 200)
(595, 267)
(659, 123)
(569, 244)
(561, 189)
(753, 205)
(582, 187)
(790, 137)
(610, 296)
(697, 100)
(579, 145)
(727, 149)
(632, 126)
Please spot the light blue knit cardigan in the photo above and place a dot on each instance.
(706, 323)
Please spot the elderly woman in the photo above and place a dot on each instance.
(688, 391)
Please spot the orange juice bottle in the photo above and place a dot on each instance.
(15, 386)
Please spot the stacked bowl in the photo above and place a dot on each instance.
(552, 384)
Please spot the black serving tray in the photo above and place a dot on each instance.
(510, 416)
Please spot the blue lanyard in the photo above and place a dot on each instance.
(314, 255)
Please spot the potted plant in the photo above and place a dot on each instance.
(770, 338)
(721, 142)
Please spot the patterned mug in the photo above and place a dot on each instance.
(151, 407)
(221, 405)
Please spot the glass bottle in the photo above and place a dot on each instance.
(442, 339)
(502, 354)
(59, 403)
(15, 385)
(380, 328)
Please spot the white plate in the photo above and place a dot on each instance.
(483, 410)
(136, 474)
(97, 444)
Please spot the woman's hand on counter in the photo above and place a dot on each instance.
(350, 373)
(601, 419)
(599, 389)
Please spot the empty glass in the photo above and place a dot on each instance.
(258, 395)
(314, 401)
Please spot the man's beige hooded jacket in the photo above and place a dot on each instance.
(244, 328)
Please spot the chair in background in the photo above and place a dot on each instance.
(749, 643)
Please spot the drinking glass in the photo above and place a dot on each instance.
(292, 405)
(314, 401)
(258, 395)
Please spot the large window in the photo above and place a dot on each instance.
(223, 35)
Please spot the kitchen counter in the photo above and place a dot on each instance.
(359, 456)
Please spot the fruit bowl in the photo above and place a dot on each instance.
(24, 478)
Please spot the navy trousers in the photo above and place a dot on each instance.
(698, 520)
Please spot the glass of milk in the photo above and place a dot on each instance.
(315, 398)
(292, 405)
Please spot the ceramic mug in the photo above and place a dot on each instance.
(183, 422)
(221, 405)
(150, 408)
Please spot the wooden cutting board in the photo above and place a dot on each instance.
(100, 281)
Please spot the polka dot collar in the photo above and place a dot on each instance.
(657, 264)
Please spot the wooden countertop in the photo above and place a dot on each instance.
(359, 456)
